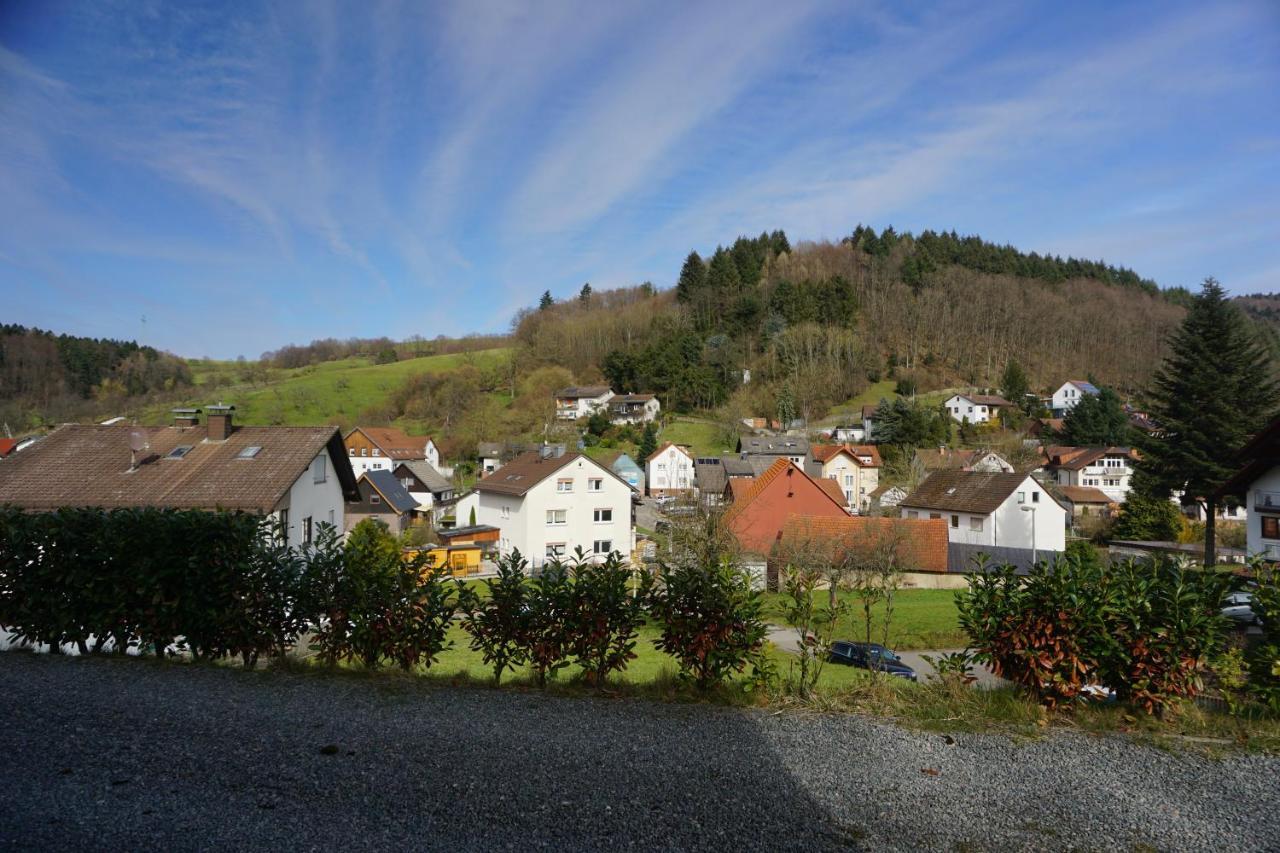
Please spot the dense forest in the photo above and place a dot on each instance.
(58, 374)
(815, 324)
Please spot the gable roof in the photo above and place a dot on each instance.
(709, 476)
(622, 399)
(1085, 495)
(773, 445)
(427, 475)
(393, 493)
(918, 544)
(490, 449)
(81, 465)
(527, 470)
(655, 454)
(832, 488)
(578, 392)
(824, 453)
(978, 492)
(759, 511)
(394, 443)
(882, 489)
(1076, 458)
(1086, 387)
(993, 400)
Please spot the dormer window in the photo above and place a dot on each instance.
(249, 452)
(180, 451)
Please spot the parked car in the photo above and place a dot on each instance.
(870, 656)
(1238, 607)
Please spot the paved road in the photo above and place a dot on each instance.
(132, 755)
(786, 639)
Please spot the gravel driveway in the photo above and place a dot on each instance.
(131, 755)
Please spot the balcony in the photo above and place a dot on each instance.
(1263, 500)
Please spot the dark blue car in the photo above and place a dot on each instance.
(870, 656)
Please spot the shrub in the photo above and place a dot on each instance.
(546, 632)
(603, 617)
(1142, 629)
(1264, 658)
(498, 623)
(711, 622)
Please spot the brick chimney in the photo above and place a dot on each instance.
(186, 418)
(219, 420)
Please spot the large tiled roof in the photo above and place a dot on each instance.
(917, 544)
(858, 452)
(88, 465)
(428, 475)
(1076, 458)
(954, 490)
(832, 488)
(394, 443)
(1084, 495)
(529, 469)
(774, 445)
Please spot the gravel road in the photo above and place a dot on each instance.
(131, 755)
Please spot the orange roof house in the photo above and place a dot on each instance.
(757, 516)
(918, 545)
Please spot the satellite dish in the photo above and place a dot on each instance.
(138, 440)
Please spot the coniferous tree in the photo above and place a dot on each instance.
(1015, 387)
(693, 278)
(584, 295)
(1098, 420)
(546, 301)
(648, 442)
(1214, 390)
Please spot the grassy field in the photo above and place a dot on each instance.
(922, 618)
(851, 410)
(701, 435)
(330, 392)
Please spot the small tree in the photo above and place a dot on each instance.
(604, 618)
(546, 301)
(1016, 388)
(648, 442)
(584, 295)
(1098, 420)
(498, 622)
(549, 602)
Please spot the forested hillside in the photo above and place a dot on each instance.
(815, 324)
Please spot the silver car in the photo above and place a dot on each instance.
(1238, 607)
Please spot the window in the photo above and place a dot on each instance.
(319, 472)
(180, 451)
(602, 546)
(1022, 497)
(975, 524)
(306, 530)
(662, 466)
(506, 512)
(375, 498)
(603, 516)
(848, 480)
(1035, 497)
(284, 526)
(557, 517)
(407, 482)
(564, 486)
(555, 550)
(1270, 527)
(364, 451)
(351, 451)
(933, 515)
(595, 484)
(377, 452)
(330, 517)
(955, 522)
(911, 513)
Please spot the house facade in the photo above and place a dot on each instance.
(975, 408)
(628, 469)
(669, 472)
(762, 508)
(581, 401)
(938, 459)
(1107, 469)
(547, 507)
(384, 498)
(297, 476)
(428, 486)
(1257, 487)
(854, 468)
(1069, 394)
(633, 408)
(996, 509)
(383, 448)
(768, 448)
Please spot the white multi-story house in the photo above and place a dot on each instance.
(975, 408)
(581, 401)
(383, 448)
(669, 471)
(997, 509)
(633, 408)
(1071, 392)
(297, 476)
(855, 468)
(549, 506)
(1108, 469)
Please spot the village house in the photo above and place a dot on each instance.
(995, 509)
(1108, 469)
(581, 401)
(384, 498)
(633, 408)
(712, 475)
(855, 468)
(298, 476)
(768, 448)
(916, 548)
(886, 496)
(975, 408)
(869, 422)
(627, 468)
(1256, 485)
(548, 506)
(669, 472)
(1071, 392)
(941, 458)
(1084, 501)
(849, 434)
(428, 486)
(383, 448)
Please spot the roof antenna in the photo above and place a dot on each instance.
(137, 443)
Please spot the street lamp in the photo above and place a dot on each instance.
(1032, 510)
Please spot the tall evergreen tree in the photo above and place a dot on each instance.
(693, 278)
(723, 277)
(1015, 387)
(546, 301)
(648, 442)
(1098, 420)
(584, 295)
(1213, 391)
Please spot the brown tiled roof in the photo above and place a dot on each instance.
(758, 485)
(529, 469)
(937, 458)
(394, 443)
(919, 544)
(1084, 495)
(965, 491)
(656, 453)
(739, 486)
(824, 452)
(870, 411)
(986, 399)
(576, 392)
(832, 488)
(1075, 458)
(88, 465)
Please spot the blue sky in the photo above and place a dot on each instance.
(224, 179)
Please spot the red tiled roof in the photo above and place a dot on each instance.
(825, 452)
(757, 515)
(917, 544)
(655, 454)
(394, 443)
(832, 488)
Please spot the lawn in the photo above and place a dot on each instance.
(922, 618)
(325, 393)
(703, 436)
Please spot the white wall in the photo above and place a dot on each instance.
(670, 470)
(1065, 398)
(1254, 543)
(1009, 526)
(1111, 479)
(322, 502)
(570, 410)
(961, 408)
(857, 482)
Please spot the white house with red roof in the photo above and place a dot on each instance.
(669, 471)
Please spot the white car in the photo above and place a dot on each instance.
(1238, 607)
